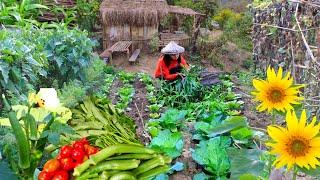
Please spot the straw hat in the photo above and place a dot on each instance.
(172, 48)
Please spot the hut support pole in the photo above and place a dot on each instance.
(196, 30)
(318, 44)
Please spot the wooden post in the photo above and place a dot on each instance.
(196, 31)
(318, 44)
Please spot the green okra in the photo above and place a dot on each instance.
(105, 175)
(108, 152)
(115, 165)
(123, 176)
(133, 156)
(154, 172)
(150, 164)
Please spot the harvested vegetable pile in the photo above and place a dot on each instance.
(123, 161)
(102, 124)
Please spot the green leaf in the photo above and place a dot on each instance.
(245, 161)
(242, 135)
(248, 177)
(200, 176)
(4, 68)
(311, 172)
(213, 155)
(54, 138)
(36, 6)
(5, 172)
(232, 123)
(169, 143)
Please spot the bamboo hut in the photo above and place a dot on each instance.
(136, 21)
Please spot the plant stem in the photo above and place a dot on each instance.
(295, 171)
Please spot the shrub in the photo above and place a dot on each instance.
(223, 16)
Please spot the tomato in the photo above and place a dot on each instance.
(66, 151)
(45, 175)
(78, 145)
(85, 158)
(61, 175)
(84, 141)
(51, 165)
(78, 154)
(67, 163)
(90, 149)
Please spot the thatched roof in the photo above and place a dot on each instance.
(138, 12)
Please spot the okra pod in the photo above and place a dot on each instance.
(153, 172)
(105, 175)
(22, 141)
(133, 156)
(108, 152)
(87, 175)
(33, 127)
(115, 165)
(123, 176)
(150, 164)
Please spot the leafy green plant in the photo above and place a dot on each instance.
(169, 143)
(213, 156)
(19, 12)
(126, 77)
(125, 93)
(87, 13)
(172, 119)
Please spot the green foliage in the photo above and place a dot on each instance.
(72, 93)
(245, 161)
(169, 143)
(232, 123)
(125, 93)
(200, 176)
(154, 43)
(6, 173)
(33, 58)
(87, 13)
(213, 156)
(224, 15)
(19, 12)
(248, 63)
(172, 119)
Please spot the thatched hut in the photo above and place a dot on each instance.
(135, 20)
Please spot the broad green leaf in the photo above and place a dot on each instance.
(242, 135)
(169, 143)
(311, 172)
(200, 176)
(5, 172)
(232, 123)
(245, 161)
(4, 68)
(213, 155)
(5, 122)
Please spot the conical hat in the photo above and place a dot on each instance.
(172, 48)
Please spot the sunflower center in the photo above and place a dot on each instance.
(275, 95)
(298, 147)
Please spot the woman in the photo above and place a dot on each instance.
(171, 63)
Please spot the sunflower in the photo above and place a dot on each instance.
(276, 92)
(297, 144)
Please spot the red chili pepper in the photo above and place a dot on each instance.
(90, 149)
(78, 145)
(66, 151)
(61, 175)
(78, 154)
(51, 165)
(45, 175)
(83, 141)
(67, 163)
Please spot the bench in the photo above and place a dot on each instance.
(134, 56)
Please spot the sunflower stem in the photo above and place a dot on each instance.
(295, 171)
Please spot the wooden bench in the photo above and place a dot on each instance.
(134, 56)
(120, 46)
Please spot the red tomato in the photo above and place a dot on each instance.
(78, 154)
(66, 151)
(67, 163)
(90, 149)
(78, 145)
(51, 165)
(61, 175)
(45, 175)
(83, 141)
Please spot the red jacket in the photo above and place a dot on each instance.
(163, 70)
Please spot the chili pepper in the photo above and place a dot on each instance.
(66, 151)
(61, 175)
(67, 163)
(90, 149)
(78, 154)
(84, 141)
(43, 175)
(78, 145)
(51, 165)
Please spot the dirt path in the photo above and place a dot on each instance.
(138, 111)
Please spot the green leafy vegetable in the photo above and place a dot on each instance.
(213, 156)
(169, 143)
(232, 123)
(172, 119)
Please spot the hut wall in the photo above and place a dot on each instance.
(140, 36)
